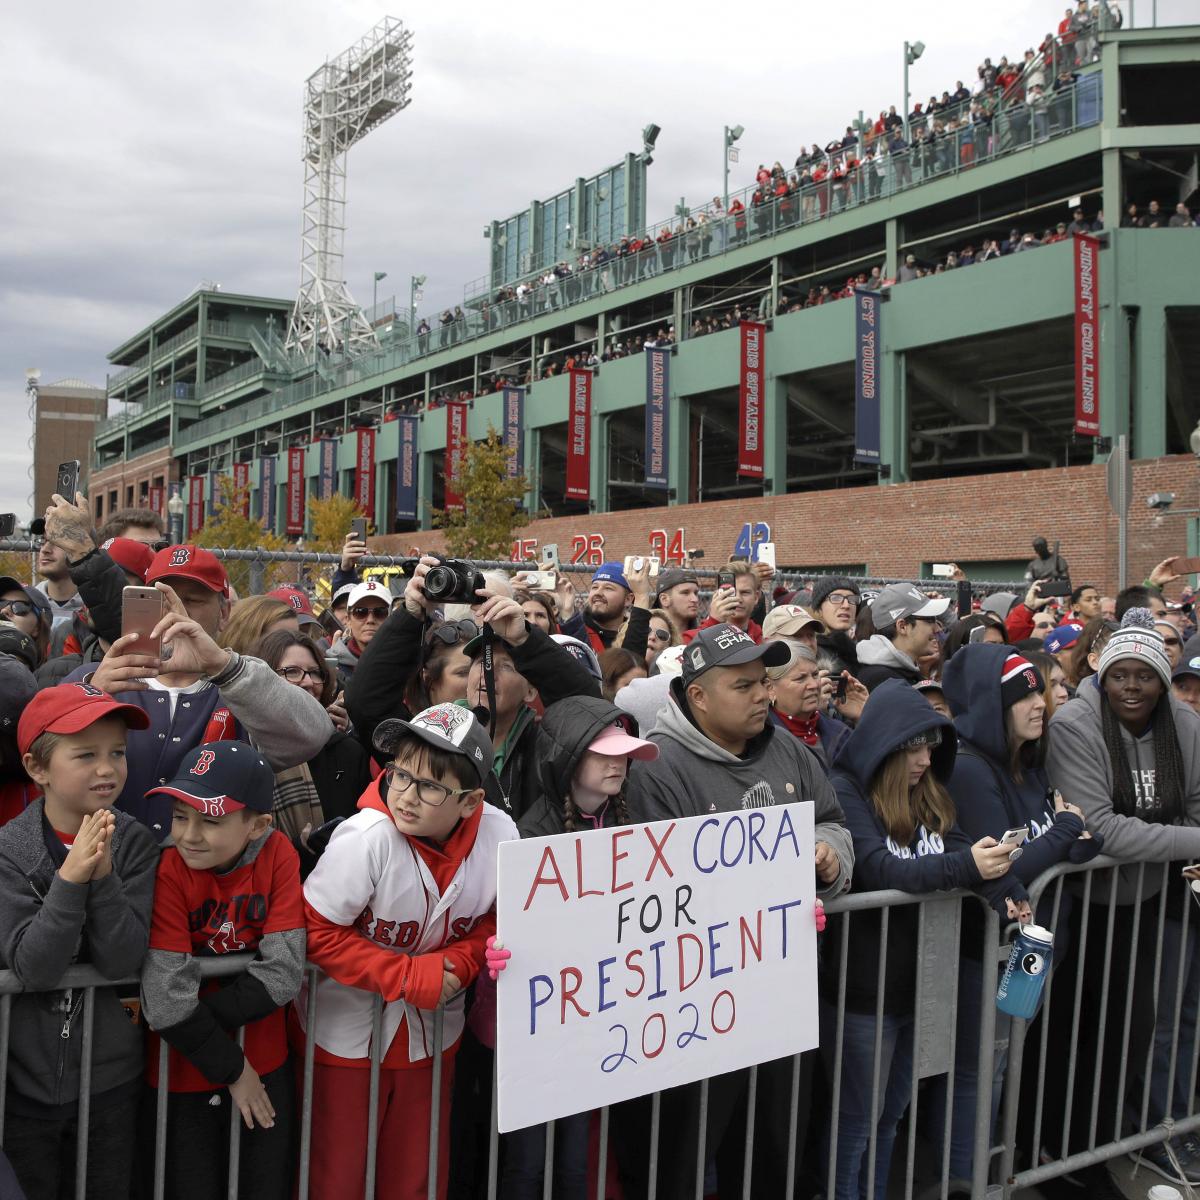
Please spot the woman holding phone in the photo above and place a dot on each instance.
(1000, 786)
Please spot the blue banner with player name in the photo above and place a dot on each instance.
(406, 470)
(658, 418)
(868, 350)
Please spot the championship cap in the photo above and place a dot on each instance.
(446, 726)
(728, 646)
(219, 778)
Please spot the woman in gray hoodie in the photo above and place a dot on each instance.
(1128, 754)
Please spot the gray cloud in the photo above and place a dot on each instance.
(158, 146)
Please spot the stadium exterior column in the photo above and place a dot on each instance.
(679, 465)
(425, 490)
(201, 319)
(1115, 338)
(532, 448)
(775, 436)
(598, 466)
(891, 255)
(1149, 417)
(893, 417)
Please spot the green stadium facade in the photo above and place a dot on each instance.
(976, 366)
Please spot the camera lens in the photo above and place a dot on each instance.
(439, 583)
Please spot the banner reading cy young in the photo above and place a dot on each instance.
(868, 314)
(648, 956)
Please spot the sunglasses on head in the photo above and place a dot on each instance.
(452, 632)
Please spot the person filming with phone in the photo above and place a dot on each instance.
(738, 592)
(200, 693)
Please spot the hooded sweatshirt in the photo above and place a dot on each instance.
(988, 799)
(879, 660)
(48, 925)
(1079, 765)
(693, 775)
(567, 730)
(929, 862)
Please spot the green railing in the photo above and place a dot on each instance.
(1018, 128)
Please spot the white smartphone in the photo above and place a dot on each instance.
(942, 570)
(1192, 874)
(764, 552)
(550, 557)
(1014, 838)
(635, 562)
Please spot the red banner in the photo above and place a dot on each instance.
(364, 480)
(751, 373)
(195, 505)
(456, 452)
(295, 490)
(241, 485)
(155, 500)
(579, 437)
(1087, 335)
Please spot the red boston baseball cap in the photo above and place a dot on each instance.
(130, 555)
(295, 597)
(189, 562)
(69, 708)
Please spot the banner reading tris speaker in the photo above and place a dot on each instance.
(648, 956)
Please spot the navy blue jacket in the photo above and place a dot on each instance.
(989, 800)
(930, 862)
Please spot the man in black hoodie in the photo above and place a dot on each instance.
(719, 753)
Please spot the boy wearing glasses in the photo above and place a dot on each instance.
(400, 905)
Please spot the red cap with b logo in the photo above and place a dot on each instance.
(189, 562)
(70, 708)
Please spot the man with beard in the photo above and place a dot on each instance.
(611, 598)
(679, 598)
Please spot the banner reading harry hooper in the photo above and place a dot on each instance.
(658, 417)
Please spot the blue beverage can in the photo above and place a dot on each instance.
(1024, 977)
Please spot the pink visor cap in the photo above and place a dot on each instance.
(616, 743)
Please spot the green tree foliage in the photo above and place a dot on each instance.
(329, 521)
(492, 513)
(229, 529)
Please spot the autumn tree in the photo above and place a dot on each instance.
(230, 529)
(329, 521)
(485, 526)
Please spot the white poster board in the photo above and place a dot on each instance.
(648, 956)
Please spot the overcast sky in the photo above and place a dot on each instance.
(153, 146)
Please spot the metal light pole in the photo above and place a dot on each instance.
(175, 508)
(416, 283)
(731, 136)
(375, 293)
(912, 51)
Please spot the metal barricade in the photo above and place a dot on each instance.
(1144, 955)
(1118, 1009)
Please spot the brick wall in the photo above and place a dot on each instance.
(894, 529)
(139, 473)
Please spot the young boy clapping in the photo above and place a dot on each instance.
(76, 880)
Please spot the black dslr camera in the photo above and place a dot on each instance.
(452, 581)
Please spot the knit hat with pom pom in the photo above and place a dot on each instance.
(1137, 639)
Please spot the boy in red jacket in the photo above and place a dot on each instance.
(400, 905)
(229, 884)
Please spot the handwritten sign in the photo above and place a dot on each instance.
(648, 956)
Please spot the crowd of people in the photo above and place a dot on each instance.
(253, 775)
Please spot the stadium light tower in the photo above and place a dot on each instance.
(912, 51)
(344, 100)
